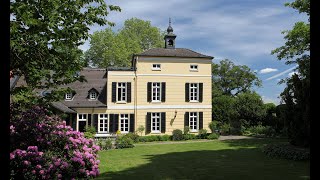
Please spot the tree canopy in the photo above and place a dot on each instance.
(109, 48)
(230, 79)
(297, 93)
(45, 35)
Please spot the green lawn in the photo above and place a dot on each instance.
(231, 159)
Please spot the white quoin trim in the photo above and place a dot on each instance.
(163, 107)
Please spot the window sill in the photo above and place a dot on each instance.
(156, 69)
(155, 132)
(194, 101)
(194, 131)
(121, 102)
(155, 102)
(194, 70)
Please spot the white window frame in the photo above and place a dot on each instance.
(157, 86)
(105, 123)
(124, 117)
(193, 67)
(68, 96)
(192, 91)
(84, 117)
(93, 95)
(156, 67)
(193, 118)
(123, 93)
(156, 122)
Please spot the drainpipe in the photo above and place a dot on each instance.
(135, 91)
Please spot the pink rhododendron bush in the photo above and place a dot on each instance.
(43, 147)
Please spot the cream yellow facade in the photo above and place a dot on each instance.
(175, 73)
(165, 89)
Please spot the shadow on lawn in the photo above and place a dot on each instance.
(241, 163)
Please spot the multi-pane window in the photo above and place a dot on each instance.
(124, 123)
(193, 121)
(156, 91)
(68, 96)
(156, 67)
(193, 67)
(103, 123)
(194, 92)
(93, 95)
(121, 95)
(82, 122)
(155, 122)
(82, 117)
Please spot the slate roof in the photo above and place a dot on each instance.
(96, 79)
(175, 52)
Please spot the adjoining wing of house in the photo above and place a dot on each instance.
(165, 89)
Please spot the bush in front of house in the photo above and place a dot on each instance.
(165, 137)
(202, 134)
(189, 136)
(286, 151)
(90, 132)
(133, 136)
(124, 142)
(177, 135)
(51, 149)
(213, 136)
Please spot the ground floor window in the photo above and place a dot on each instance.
(193, 121)
(82, 122)
(124, 123)
(103, 123)
(155, 122)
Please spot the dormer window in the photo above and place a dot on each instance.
(156, 67)
(193, 67)
(68, 96)
(93, 95)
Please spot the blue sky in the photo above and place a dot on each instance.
(243, 31)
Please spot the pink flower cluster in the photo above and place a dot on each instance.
(57, 152)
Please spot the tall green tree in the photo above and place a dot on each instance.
(297, 93)
(250, 107)
(230, 79)
(45, 35)
(108, 48)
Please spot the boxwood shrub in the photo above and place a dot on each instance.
(213, 136)
(177, 135)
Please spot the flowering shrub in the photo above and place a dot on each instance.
(43, 147)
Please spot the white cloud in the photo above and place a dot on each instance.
(268, 70)
(280, 74)
(270, 100)
(292, 73)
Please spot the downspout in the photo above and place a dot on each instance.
(135, 91)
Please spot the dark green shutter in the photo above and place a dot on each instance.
(95, 122)
(111, 123)
(187, 92)
(200, 120)
(163, 122)
(128, 92)
(200, 92)
(163, 92)
(116, 122)
(186, 119)
(132, 123)
(89, 120)
(149, 92)
(114, 91)
(148, 123)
